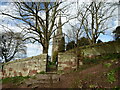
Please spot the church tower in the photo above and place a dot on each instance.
(57, 38)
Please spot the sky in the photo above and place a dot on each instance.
(36, 49)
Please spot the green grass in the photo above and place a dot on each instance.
(107, 65)
(51, 64)
(60, 72)
(97, 59)
(89, 62)
(42, 72)
(111, 76)
(16, 79)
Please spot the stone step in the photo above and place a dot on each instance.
(43, 79)
(31, 81)
(42, 76)
(46, 82)
(34, 83)
(51, 72)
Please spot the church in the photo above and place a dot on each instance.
(57, 37)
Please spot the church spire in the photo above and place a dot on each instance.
(59, 22)
(59, 31)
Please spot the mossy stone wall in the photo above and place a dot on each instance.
(67, 60)
(24, 67)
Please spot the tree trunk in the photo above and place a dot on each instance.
(77, 53)
(45, 51)
(45, 46)
(77, 62)
(90, 41)
(94, 40)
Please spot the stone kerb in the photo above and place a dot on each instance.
(25, 67)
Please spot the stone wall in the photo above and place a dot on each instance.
(67, 60)
(24, 67)
(100, 49)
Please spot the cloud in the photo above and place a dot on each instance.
(33, 49)
(106, 38)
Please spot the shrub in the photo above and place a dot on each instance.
(83, 41)
(99, 41)
(70, 45)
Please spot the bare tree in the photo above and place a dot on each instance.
(91, 19)
(40, 18)
(75, 33)
(97, 20)
(11, 44)
(77, 30)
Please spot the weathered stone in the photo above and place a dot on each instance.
(67, 68)
(25, 69)
(20, 74)
(23, 66)
(66, 61)
(32, 72)
(15, 74)
(10, 69)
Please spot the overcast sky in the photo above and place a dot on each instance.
(36, 49)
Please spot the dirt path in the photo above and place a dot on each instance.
(67, 80)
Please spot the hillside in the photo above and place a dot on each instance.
(102, 75)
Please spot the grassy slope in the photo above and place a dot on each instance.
(104, 75)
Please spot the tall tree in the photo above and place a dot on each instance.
(96, 23)
(11, 44)
(40, 17)
(92, 19)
